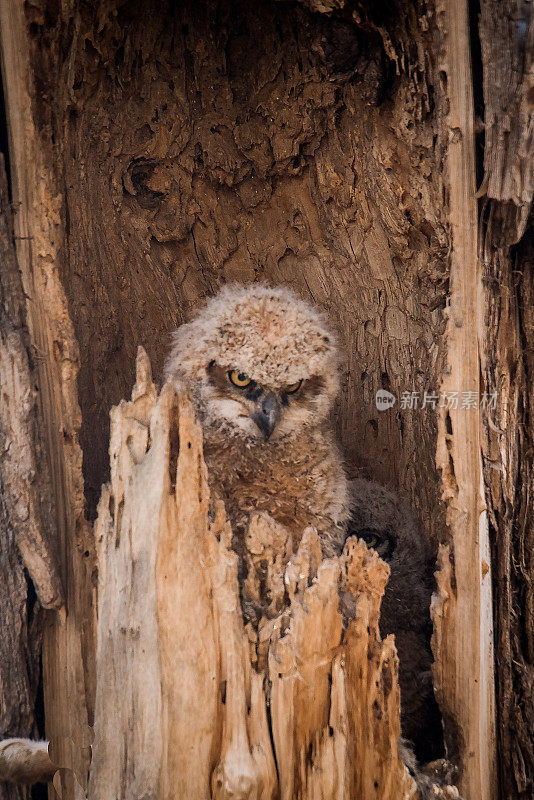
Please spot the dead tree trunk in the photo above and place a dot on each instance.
(159, 150)
(189, 703)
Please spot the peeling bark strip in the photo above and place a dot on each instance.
(18, 423)
(464, 677)
(23, 542)
(189, 704)
(507, 42)
(39, 228)
(509, 478)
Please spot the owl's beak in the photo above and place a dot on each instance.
(267, 414)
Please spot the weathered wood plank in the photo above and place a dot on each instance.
(21, 485)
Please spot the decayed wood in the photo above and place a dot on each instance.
(192, 703)
(464, 671)
(17, 422)
(507, 255)
(353, 238)
(23, 539)
(20, 639)
(509, 479)
(315, 169)
(67, 649)
(506, 30)
(302, 176)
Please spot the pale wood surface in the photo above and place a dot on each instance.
(189, 702)
(464, 678)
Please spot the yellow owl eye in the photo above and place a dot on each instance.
(370, 539)
(293, 387)
(239, 379)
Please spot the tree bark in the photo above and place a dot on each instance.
(158, 151)
(27, 558)
(67, 646)
(507, 259)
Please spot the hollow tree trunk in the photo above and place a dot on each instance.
(306, 706)
(159, 150)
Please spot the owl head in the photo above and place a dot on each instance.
(260, 362)
(386, 523)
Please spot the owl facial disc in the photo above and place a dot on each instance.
(262, 364)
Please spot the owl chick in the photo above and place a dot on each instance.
(385, 523)
(263, 371)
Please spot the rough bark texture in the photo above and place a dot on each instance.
(254, 141)
(507, 256)
(22, 545)
(195, 705)
(38, 235)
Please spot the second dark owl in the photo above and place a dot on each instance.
(385, 523)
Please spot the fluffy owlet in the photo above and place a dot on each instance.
(263, 371)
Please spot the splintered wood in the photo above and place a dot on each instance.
(192, 702)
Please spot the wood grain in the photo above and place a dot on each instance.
(68, 646)
(464, 670)
(24, 541)
(189, 702)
